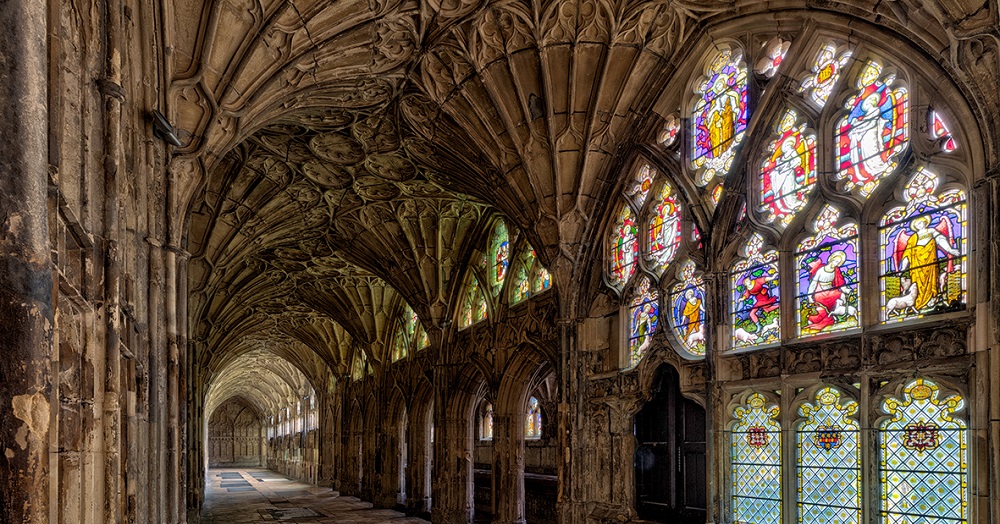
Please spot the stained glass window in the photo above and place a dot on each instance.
(533, 420)
(940, 131)
(358, 365)
(828, 460)
(541, 279)
(643, 320)
(486, 427)
(754, 280)
(474, 306)
(825, 71)
(788, 173)
(530, 277)
(640, 185)
(756, 462)
(624, 247)
(499, 255)
(399, 342)
(522, 288)
(716, 195)
(720, 115)
(688, 310)
(664, 228)
(874, 132)
(922, 454)
(668, 135)
(768, 64)
(923, 251)
(827, 264)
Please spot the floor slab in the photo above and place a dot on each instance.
(274, 498)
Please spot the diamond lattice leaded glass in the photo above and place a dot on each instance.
(756, 462)
(828, 460)
(923, 452)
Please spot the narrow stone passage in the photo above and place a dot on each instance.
(241, 495)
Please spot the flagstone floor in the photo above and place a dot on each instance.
(243, 495)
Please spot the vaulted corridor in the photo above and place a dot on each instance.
(239, 496)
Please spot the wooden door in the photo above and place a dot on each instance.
(670, 475)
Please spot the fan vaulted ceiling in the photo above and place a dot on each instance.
(345, 157)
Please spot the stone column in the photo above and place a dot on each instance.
(508, 465)
(452, 482)
(572, 416)
(26, 287)
(418, 474)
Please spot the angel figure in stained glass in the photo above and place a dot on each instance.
(825, 290)
(917, 252)
(789, 171)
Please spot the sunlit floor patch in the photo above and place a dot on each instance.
(244, 495)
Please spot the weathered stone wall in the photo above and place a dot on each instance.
(103, 428)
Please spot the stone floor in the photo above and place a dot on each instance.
(238, 496)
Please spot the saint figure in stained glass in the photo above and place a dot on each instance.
(756, 462)
(923, 455)
(789, 170)
(754, 280)
(499, 254)
(533, 420)
(624, 247)
(825, 72)
(643, 320)
(828, 460)
(541, 280)
(874, 132)
(688, 310)
(924, 251)
(827, 263)
(664, 228)
(521, 284)
(720, 116)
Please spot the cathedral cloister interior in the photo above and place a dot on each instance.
(508, 261)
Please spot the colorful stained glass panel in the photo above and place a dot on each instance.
(664, 228)
(940, 131)
(774, 55)
(828, 460)
(923, 452)
(874, 132)
(756, 295)
(827, 299)
(923, 251)
(756, 462)
(499, 255)
(720, 115)
(789, 170)
(533, 420)
(688, 310)
(824, 74)
(624, 247)
(643, 320)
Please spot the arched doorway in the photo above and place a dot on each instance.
(670, 475)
